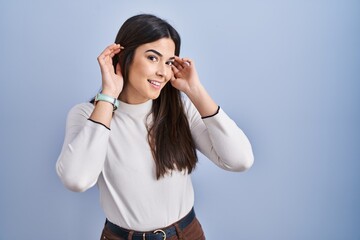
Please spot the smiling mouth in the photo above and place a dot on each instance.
(154, 83)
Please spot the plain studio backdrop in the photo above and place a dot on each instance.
(286, 71)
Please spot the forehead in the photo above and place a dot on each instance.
(165, 46)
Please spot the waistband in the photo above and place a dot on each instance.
(158, 234)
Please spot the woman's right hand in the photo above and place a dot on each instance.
(112, 83)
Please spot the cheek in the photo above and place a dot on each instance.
(169, 74)
(136, 72)
(143, 69)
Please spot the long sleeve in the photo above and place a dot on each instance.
(83, 154)
(221, 140)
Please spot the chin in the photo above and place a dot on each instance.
(154, 97)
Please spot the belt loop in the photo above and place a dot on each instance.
(130, 235)
(179, 232)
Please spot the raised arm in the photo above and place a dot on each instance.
(88, 129)
(215, 134)
(112, 84)
(186, 80)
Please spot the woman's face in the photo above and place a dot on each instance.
(149, 71)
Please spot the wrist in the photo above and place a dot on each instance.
(107, 98)
(194, 92)
(202, 101)
(110, 93)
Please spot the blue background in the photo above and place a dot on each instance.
(287, 72)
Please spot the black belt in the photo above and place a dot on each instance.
(159, 234)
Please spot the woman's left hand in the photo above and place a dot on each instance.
(186, 80)
(185, 76)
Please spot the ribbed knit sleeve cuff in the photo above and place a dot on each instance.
(99, 123)
(217, 111)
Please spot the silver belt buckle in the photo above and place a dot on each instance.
(161, 231)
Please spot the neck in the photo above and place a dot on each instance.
(132, 98)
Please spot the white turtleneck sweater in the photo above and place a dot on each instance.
(120, 162)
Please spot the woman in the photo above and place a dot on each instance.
(142, 165)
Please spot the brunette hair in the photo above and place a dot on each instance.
(169, 134)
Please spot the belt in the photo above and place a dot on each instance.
(159, 234)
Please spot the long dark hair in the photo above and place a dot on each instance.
(169, 134)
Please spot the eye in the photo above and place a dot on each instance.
(152, 58)
(170, 63)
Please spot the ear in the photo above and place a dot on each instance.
(118, 69)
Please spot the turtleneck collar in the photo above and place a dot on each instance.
(135, 109)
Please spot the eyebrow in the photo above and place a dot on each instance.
(157, 53)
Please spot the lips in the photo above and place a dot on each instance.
(154, 83)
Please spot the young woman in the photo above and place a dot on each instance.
(137, 139)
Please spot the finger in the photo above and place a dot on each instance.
(116, 51)
(102, 57)
(114, 46)
(182, 62)
(177, 65)
(108, 53)
(186, 62)
(111, 48)
(175, 69)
